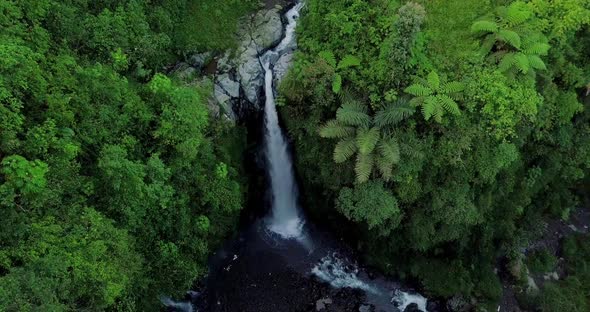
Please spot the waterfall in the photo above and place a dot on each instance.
(285, 219)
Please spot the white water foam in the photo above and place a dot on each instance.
(404, 299)
(338, 274)
(183, 306)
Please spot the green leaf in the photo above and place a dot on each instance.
(517, 13)
(353, 113)
(363, 167)
(507, 62)
(449, 104)
(344, 150)
(510, 37)
(452, 87)
(349, 61)
(394, 113)
(536, 62)
(433, 80)
(329, 57)
(389, 150)
(367, 139)
(484, 26)
(418, 90)
(337, 83)
(522, 63)
(385, 168)
(335, 130)
(429, 107)
(538, 48)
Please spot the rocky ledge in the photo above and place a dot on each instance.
(237, 74)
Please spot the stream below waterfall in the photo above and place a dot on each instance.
(281, 262)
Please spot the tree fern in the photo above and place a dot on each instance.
(516, 14)
(448, 104)
(337, 83)
(367, 139)
(453, 87)
(389, 150)
(418, 90)
(433, 80)
(429, 107)
(384, 167)
(536, 62)
(344, 150)
(353, 114)
(484, 26)
(335, 130)
(394, 113)
(329, 57)
(349, 61)
(510, 37)
(363, 167)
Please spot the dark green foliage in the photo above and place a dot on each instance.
(113, 191)
(541, 261)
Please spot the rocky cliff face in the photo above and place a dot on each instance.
(237, 74)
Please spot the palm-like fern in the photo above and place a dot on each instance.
(515, 49)
(363, 135)
(435, 97)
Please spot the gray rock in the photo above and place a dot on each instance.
(365, 308)
(199, 60)
(322, 303)
(551, 276)
(531, 285)
(266, 28)
(251, 76)
(231, 87)
(282, 66)
(224, 103)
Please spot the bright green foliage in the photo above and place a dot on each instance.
(517, 48)
(366, 136)
(473, 187)
(346, 62)
(435, 97)
(372, 204)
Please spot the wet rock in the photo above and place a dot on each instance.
(457, 304)
(199, 60)
(412, 307)
(322, 303)
(266, 28)
(282, 66)
(532, 287)
(365, 308)
(551, 276)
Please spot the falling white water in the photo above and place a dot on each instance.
(183, 306)
(285, 219)
(404, 299)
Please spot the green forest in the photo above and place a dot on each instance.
(437, 136)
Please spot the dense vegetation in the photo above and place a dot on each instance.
(114, 182)
(458, 127)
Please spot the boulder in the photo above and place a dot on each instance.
(231, 87)
(199, 60)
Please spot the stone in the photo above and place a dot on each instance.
(251, 78)
(412, 307)
(365, 308)
(199, 60)
(531, 285)
(266, 29)
(231, 87)
(322, 303)
(551, 276)
(282, 66)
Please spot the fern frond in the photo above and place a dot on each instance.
(484, 26)
(363, 167)
(536, 62)
(335, 130)
(337, 83)
(385, 168)
(418, 90)
(438, 113)
(429, 107)
(329, 57)
(510, 37)
(516, 14)
(537, 48)
(394, 113)
(349, 61)
(389, 150)
(507, 62)
(449, 104)
(521, 62)
(433, 80)
(366, 140)
(344, 150)
(353, 113)
(452, 87)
